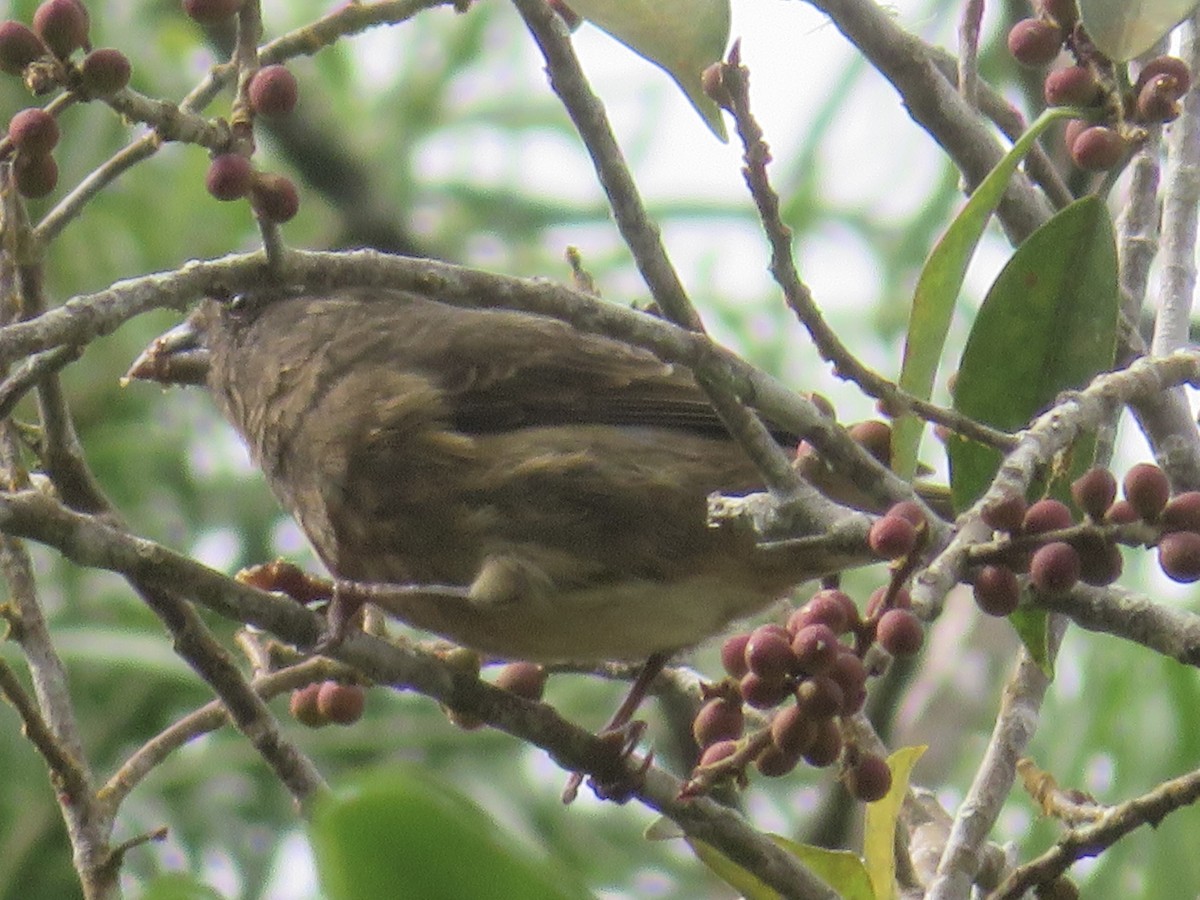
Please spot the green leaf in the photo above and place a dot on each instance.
(683, 37)
(840, 869)
(879, 829)
(941, 282)
(179, 886)
(1048, 324)
(400, 833)
(1123, 29)
(1033, 628)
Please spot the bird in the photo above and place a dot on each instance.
(540, 491)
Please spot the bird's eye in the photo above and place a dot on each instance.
(239, 304)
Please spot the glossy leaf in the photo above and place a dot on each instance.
(401, 833)
(683, 37)
(1123, 29)
(941, 282)
(879, 829)
(840, 869)
(1048, 324)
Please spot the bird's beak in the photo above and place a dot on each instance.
(176, 357)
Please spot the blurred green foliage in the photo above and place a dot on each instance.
(440, 114)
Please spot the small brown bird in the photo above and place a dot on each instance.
(553, 482)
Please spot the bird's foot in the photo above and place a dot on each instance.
(287, 578)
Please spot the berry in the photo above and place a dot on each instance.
(909, 510)
(769, 652)
(717, 752)
(1046, 515)
(1094, 492)
(851, 676)
(1055, 568)
(1004, 515)
(892, 537)
(814, 649)
(762, 693)
(1063, 12)
(229, 176)
(303, 706)
(1035, 42)
(774, 763)
(274, 198)
(875, 437)
(1179, 556)
(524, 679)
(211, 12)
(820, 697)
(1182, 512)
(997, 591)
(33, 131)
(1098, 148)
(341, 704)
(1147, 490)
(273, 91)
(1100, 561)
(830, 607)
(36, 175)
(1166, 65)
(105, 72)
(901, 599)
(19, 46)
(1121, 513)
(826, 746)
(869, 779)
(718, 720)
(1071, 86)
(793, 731)
(733, 655)
(62, 25)
(1158, 101)
(899, 632)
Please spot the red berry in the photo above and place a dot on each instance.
(769, 652)
(1100, 562)
(273, 91)
(1072, 86)
(1035, 42)
(1054, 568)
(211, 12)
(105, 71)
(1047, 515)
(1094, 492)
(1004, 515)
(851, 676)
(1121, 513)
(1179, 556)
(1182, 512)
(762, 693)
(774, 763)
(341, 704)
(229, 176)
(733, 655)
(19, 46)
(869, 779)
(997, 591)
(35, 176)
(717, 752)
(892, 537)
(718, 720)
(827, 746)
(875, 437)
(1170, 66)
(1098, 148)
(830, 607)
(820, 697)
(525, 679)
(900, 599)
(274, 198)
(793, 731)
(1158, 101)
(1147, 490)
(62, 26)
(909, 510)
(303, 706)
(33, 131)
(899, 632)
(814, 648)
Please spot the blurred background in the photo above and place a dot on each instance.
(441, 138)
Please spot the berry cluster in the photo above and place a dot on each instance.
(272, 93)
(1093, 82)
(41, 56)
(1045, 541)
(317, 705)
(816, 677)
